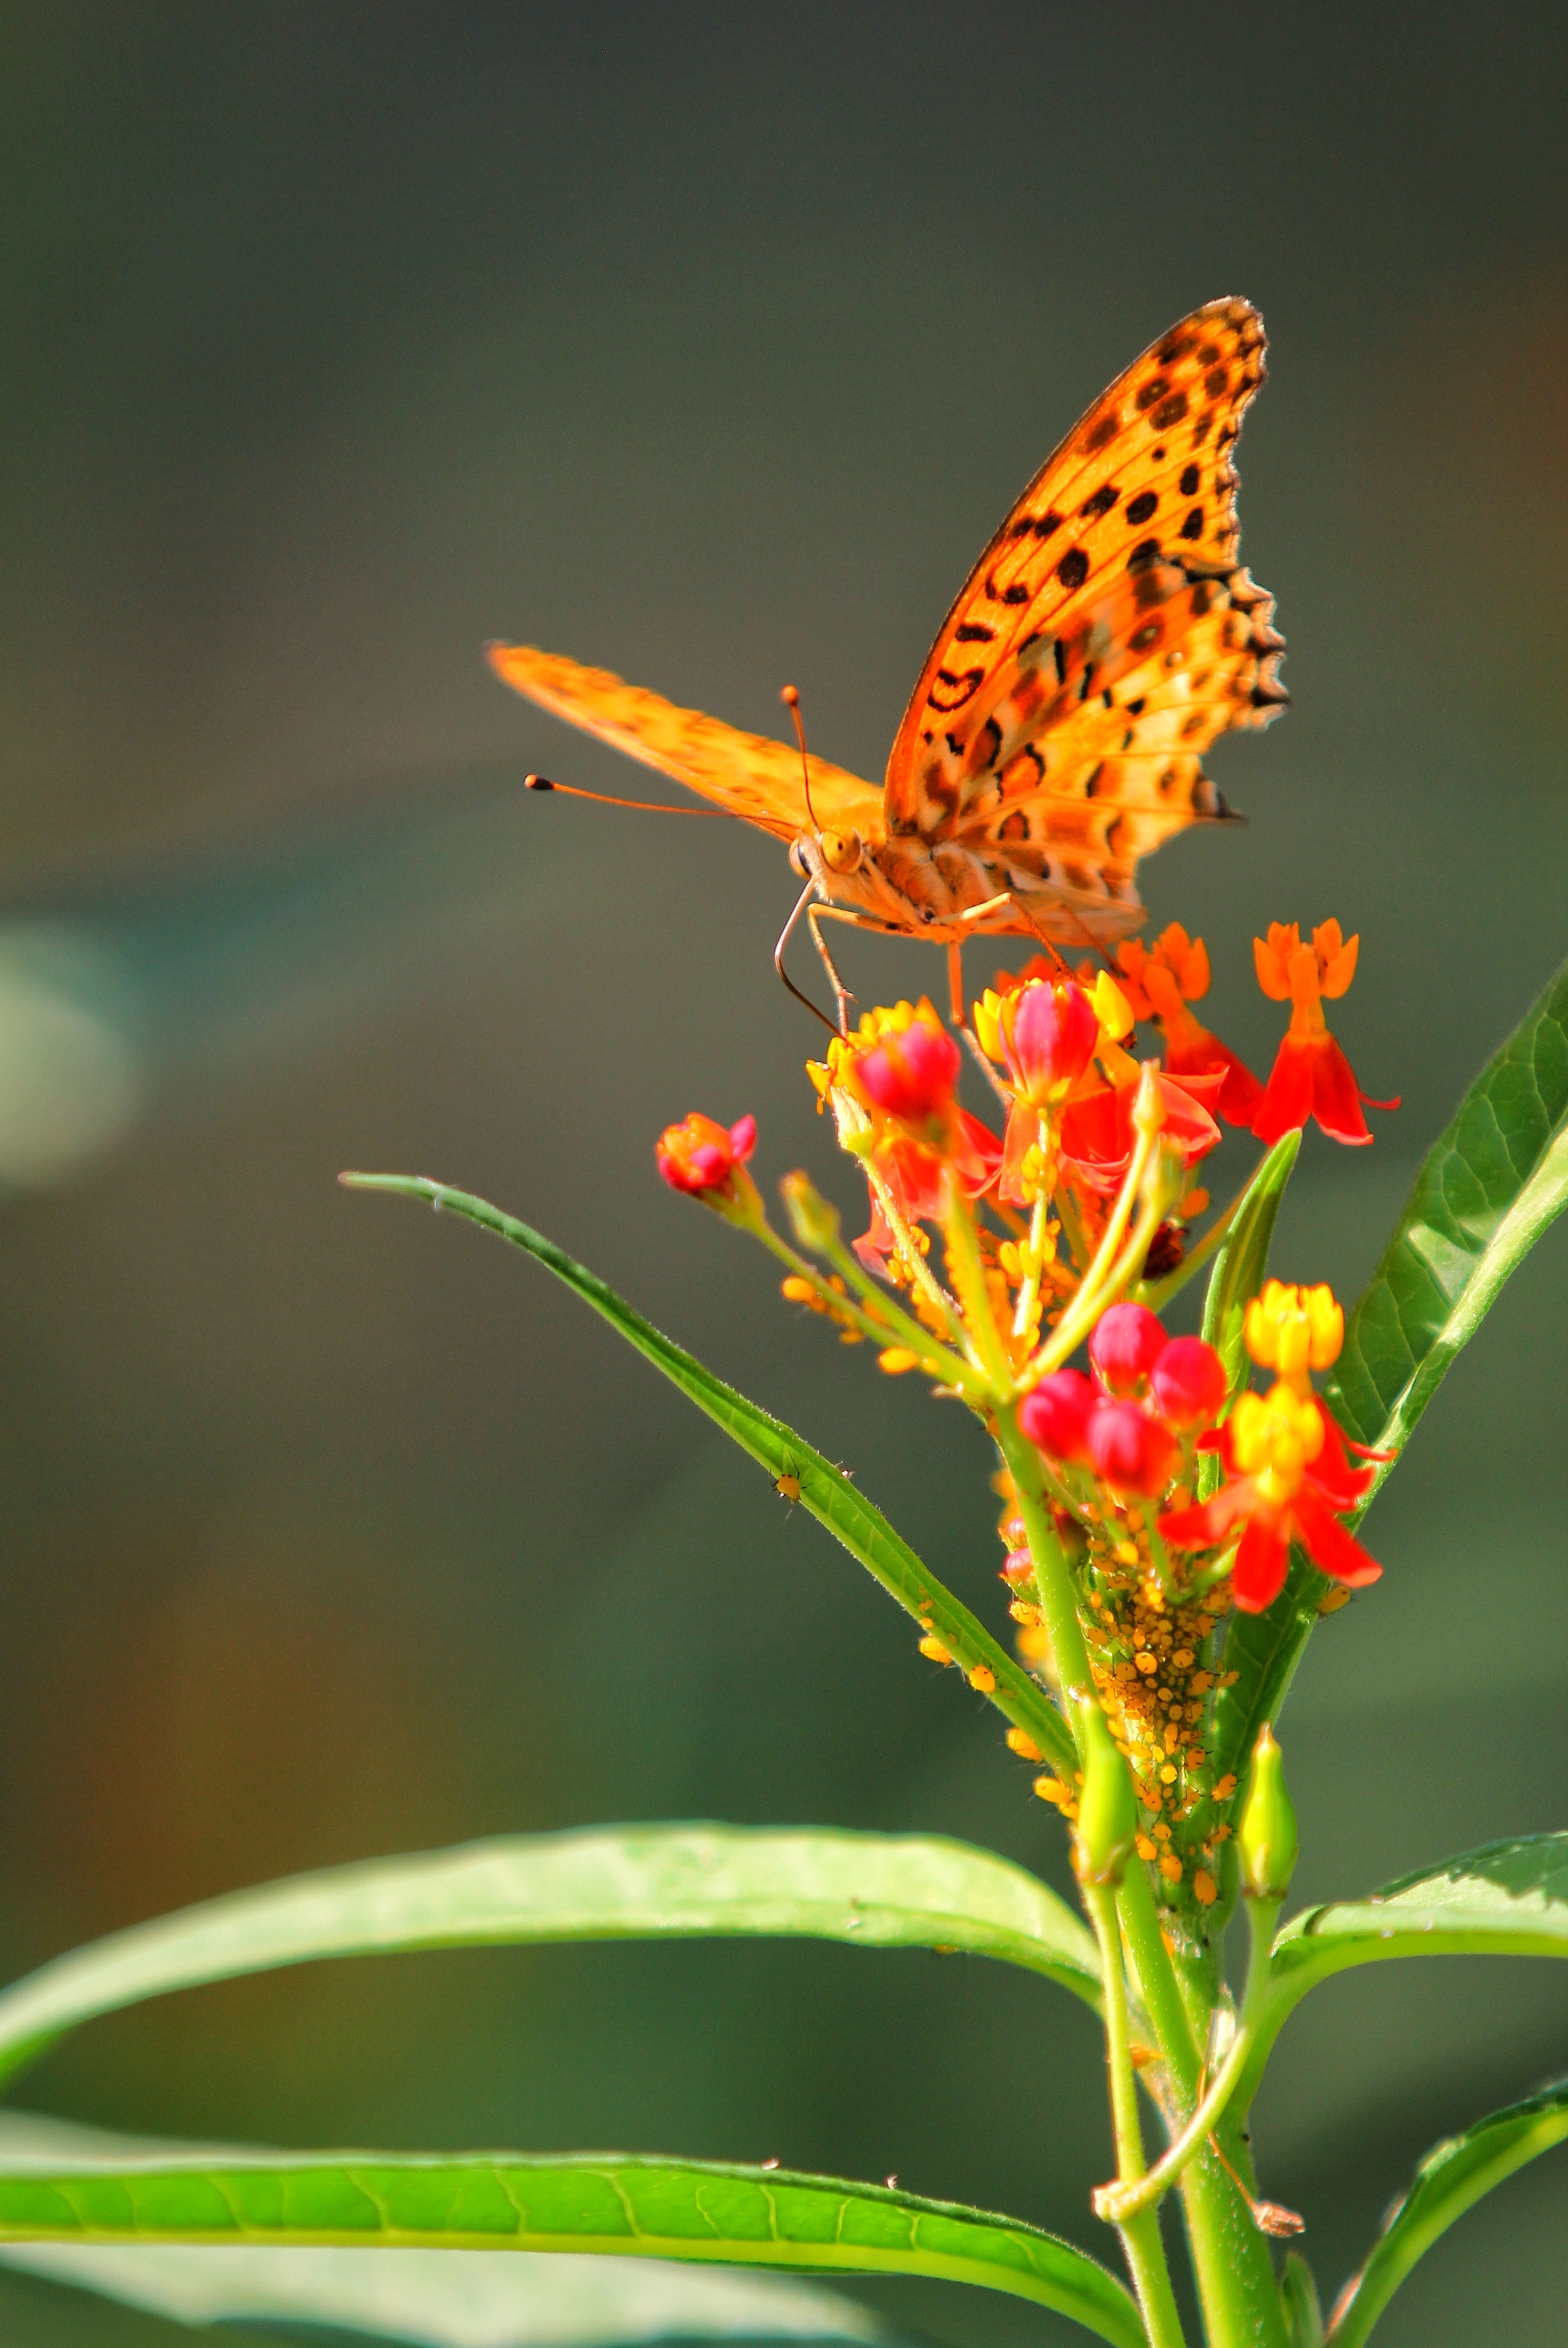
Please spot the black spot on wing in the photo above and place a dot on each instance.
(1141, 507)
(1074, 568)
(950, 690)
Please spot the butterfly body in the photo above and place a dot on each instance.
(1105, 637)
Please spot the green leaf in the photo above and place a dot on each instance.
(1240, 1266)
(595, 1884)
(438, 2299)
(1508, 1898)
(825, 1489)
(1491, 1185)
(1449, 2182)
(605, 2203)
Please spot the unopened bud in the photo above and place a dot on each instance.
(813, 1220)
(1267, 1837)
(1107, 1809)
(1149, 1104)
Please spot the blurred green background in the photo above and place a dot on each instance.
(708, 343)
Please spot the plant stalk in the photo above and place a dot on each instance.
(1140, 2242)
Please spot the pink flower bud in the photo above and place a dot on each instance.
(1130, 1451)
(698, 1155)
(1051, 1037)
(1189, 1384)
(1018, 1570)
(1127, 1343)
(1056, 1413)
(911, 1074)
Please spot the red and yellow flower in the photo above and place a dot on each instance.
(893, 1086)
(1311, 1076)
(1288, 1477)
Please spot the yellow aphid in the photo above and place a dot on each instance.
(1171, 1868)
(896, 1359)
(1051, 1789)
(1332, 1600)
(1225, 1788)
(1206, 1887)
(1024, 1745)
(933, 1650)
(787, 1488)
(983, 1678)
(797, 1291)
(1146, 1850)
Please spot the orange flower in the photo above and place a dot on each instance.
(1159, 982)
(1311, 1076)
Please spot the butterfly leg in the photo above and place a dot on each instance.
(802, 902)
(956, 983)
(841, 994)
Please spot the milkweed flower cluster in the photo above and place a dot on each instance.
(1023, 1259)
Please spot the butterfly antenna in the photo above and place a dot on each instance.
(645, 807)
(790, 700)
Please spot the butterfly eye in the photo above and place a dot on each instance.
(841, 851)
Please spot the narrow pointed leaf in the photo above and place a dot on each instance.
(1506, 1898)
(601, 1883)
(1238, 1274)
(825, 1489)
(1491, 1186)
(1450, 2181)
(437, 2299)
(603, 2203)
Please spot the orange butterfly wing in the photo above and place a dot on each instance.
(1105, 636)
(747, 774)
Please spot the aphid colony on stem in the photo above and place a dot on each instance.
(1146, 1496)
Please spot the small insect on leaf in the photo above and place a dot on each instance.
(787, 1488)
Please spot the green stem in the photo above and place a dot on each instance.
(1084, 1310)
(1052, 1575)
(1157, 1982)
(879, 1318)
(1117, 2202)
(1072, 1228)
(1140, 2242)
(1102, 1287)
(1029, 1290)
(967, 1273)
(1230, 2257)
(910, 1251)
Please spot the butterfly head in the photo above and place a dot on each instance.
(816, 853)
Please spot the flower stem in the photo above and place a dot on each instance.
(968, 1277)
(877, 1318)
(1119, 2201)
(1052, 1575)
(910, 1251)
(1140, 2242)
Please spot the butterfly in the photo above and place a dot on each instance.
(1104, 638)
